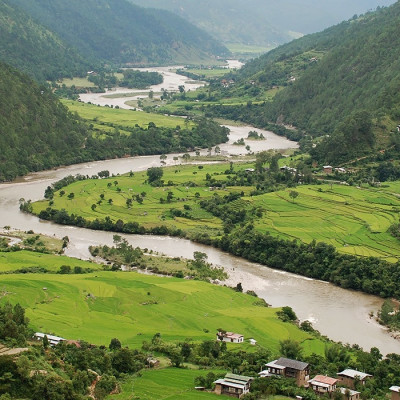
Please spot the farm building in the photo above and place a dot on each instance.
(348, 377)
(328, 169)
(230, 337)
(53, 340)
(233, 385)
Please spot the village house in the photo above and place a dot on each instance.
(395, 392)
(230, 337)
(340, 170)
(233, 385)
(323, 385)
(328, 169)
(348, 394)
(53, 340)
(349, 377)
(288, 368)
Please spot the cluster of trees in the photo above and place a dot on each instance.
(140, 79)
(315, 260)
(68, 371)
(156, 140)
(14, 328)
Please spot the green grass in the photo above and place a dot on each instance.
(240, 48)
(121, 117)
(166, 384)
(353, 220)
(209, 73)
(133, 307)
(78, 82)
(12, 261)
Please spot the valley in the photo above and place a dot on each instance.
(157, 191)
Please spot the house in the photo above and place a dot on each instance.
(395, 392)
(328, 169)
(349, 377)
(340, 170)
(253, 342)
(249, 170)
(53, 340)
(233, 385)
(288, 169)
(349, 394)
(288, 368)
(230, 337)
(323, 384)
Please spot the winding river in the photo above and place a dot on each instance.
(342, 315)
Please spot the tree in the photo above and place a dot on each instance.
(115, 344)
(293, 194)
(291, 349)
(154, 174)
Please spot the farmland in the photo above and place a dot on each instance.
(353, 219)
(120, 117)
(102, 305)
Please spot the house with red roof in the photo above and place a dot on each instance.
(321, 385)
(230, 337)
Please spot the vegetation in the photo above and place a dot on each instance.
(35, 50)
(120, 32)
(246, 213)
(140, 79)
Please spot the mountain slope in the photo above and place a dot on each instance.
(118, 31)
(33, 49)
(36, 130)
(263, 22)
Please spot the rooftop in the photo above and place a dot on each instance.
(352, 373)
(352, 392)
(325, 380)
(294, 364)
(395, 389)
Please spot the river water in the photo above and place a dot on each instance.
(342, 315)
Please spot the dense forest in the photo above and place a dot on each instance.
(33, 49)
(120, 32)
(37, 131)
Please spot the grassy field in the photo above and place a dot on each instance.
(208, 72)
(78, 82)
(120, 117)
(102, 305)
(354, 220)
(166, 384)
(12, 261)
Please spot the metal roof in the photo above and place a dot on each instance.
(230, 384)
(325, 380)
(294, 364)
(352, 392)
(395, 389)
(238, 378)
(352, 373)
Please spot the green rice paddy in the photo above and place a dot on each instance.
(121, 117)
(133, 307)
(354, 220)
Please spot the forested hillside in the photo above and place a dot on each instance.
(120, 32)
(33, 49)
(263, 22)
(36, 130)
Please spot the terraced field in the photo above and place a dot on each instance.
(133, 307)
(354, 220)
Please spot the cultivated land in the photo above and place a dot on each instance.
(354, 220)
(166, 384)
(103, 116)
(133, 307)
(25, 259)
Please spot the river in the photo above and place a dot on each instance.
(342, 315)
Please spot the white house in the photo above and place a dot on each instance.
(230, 337)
